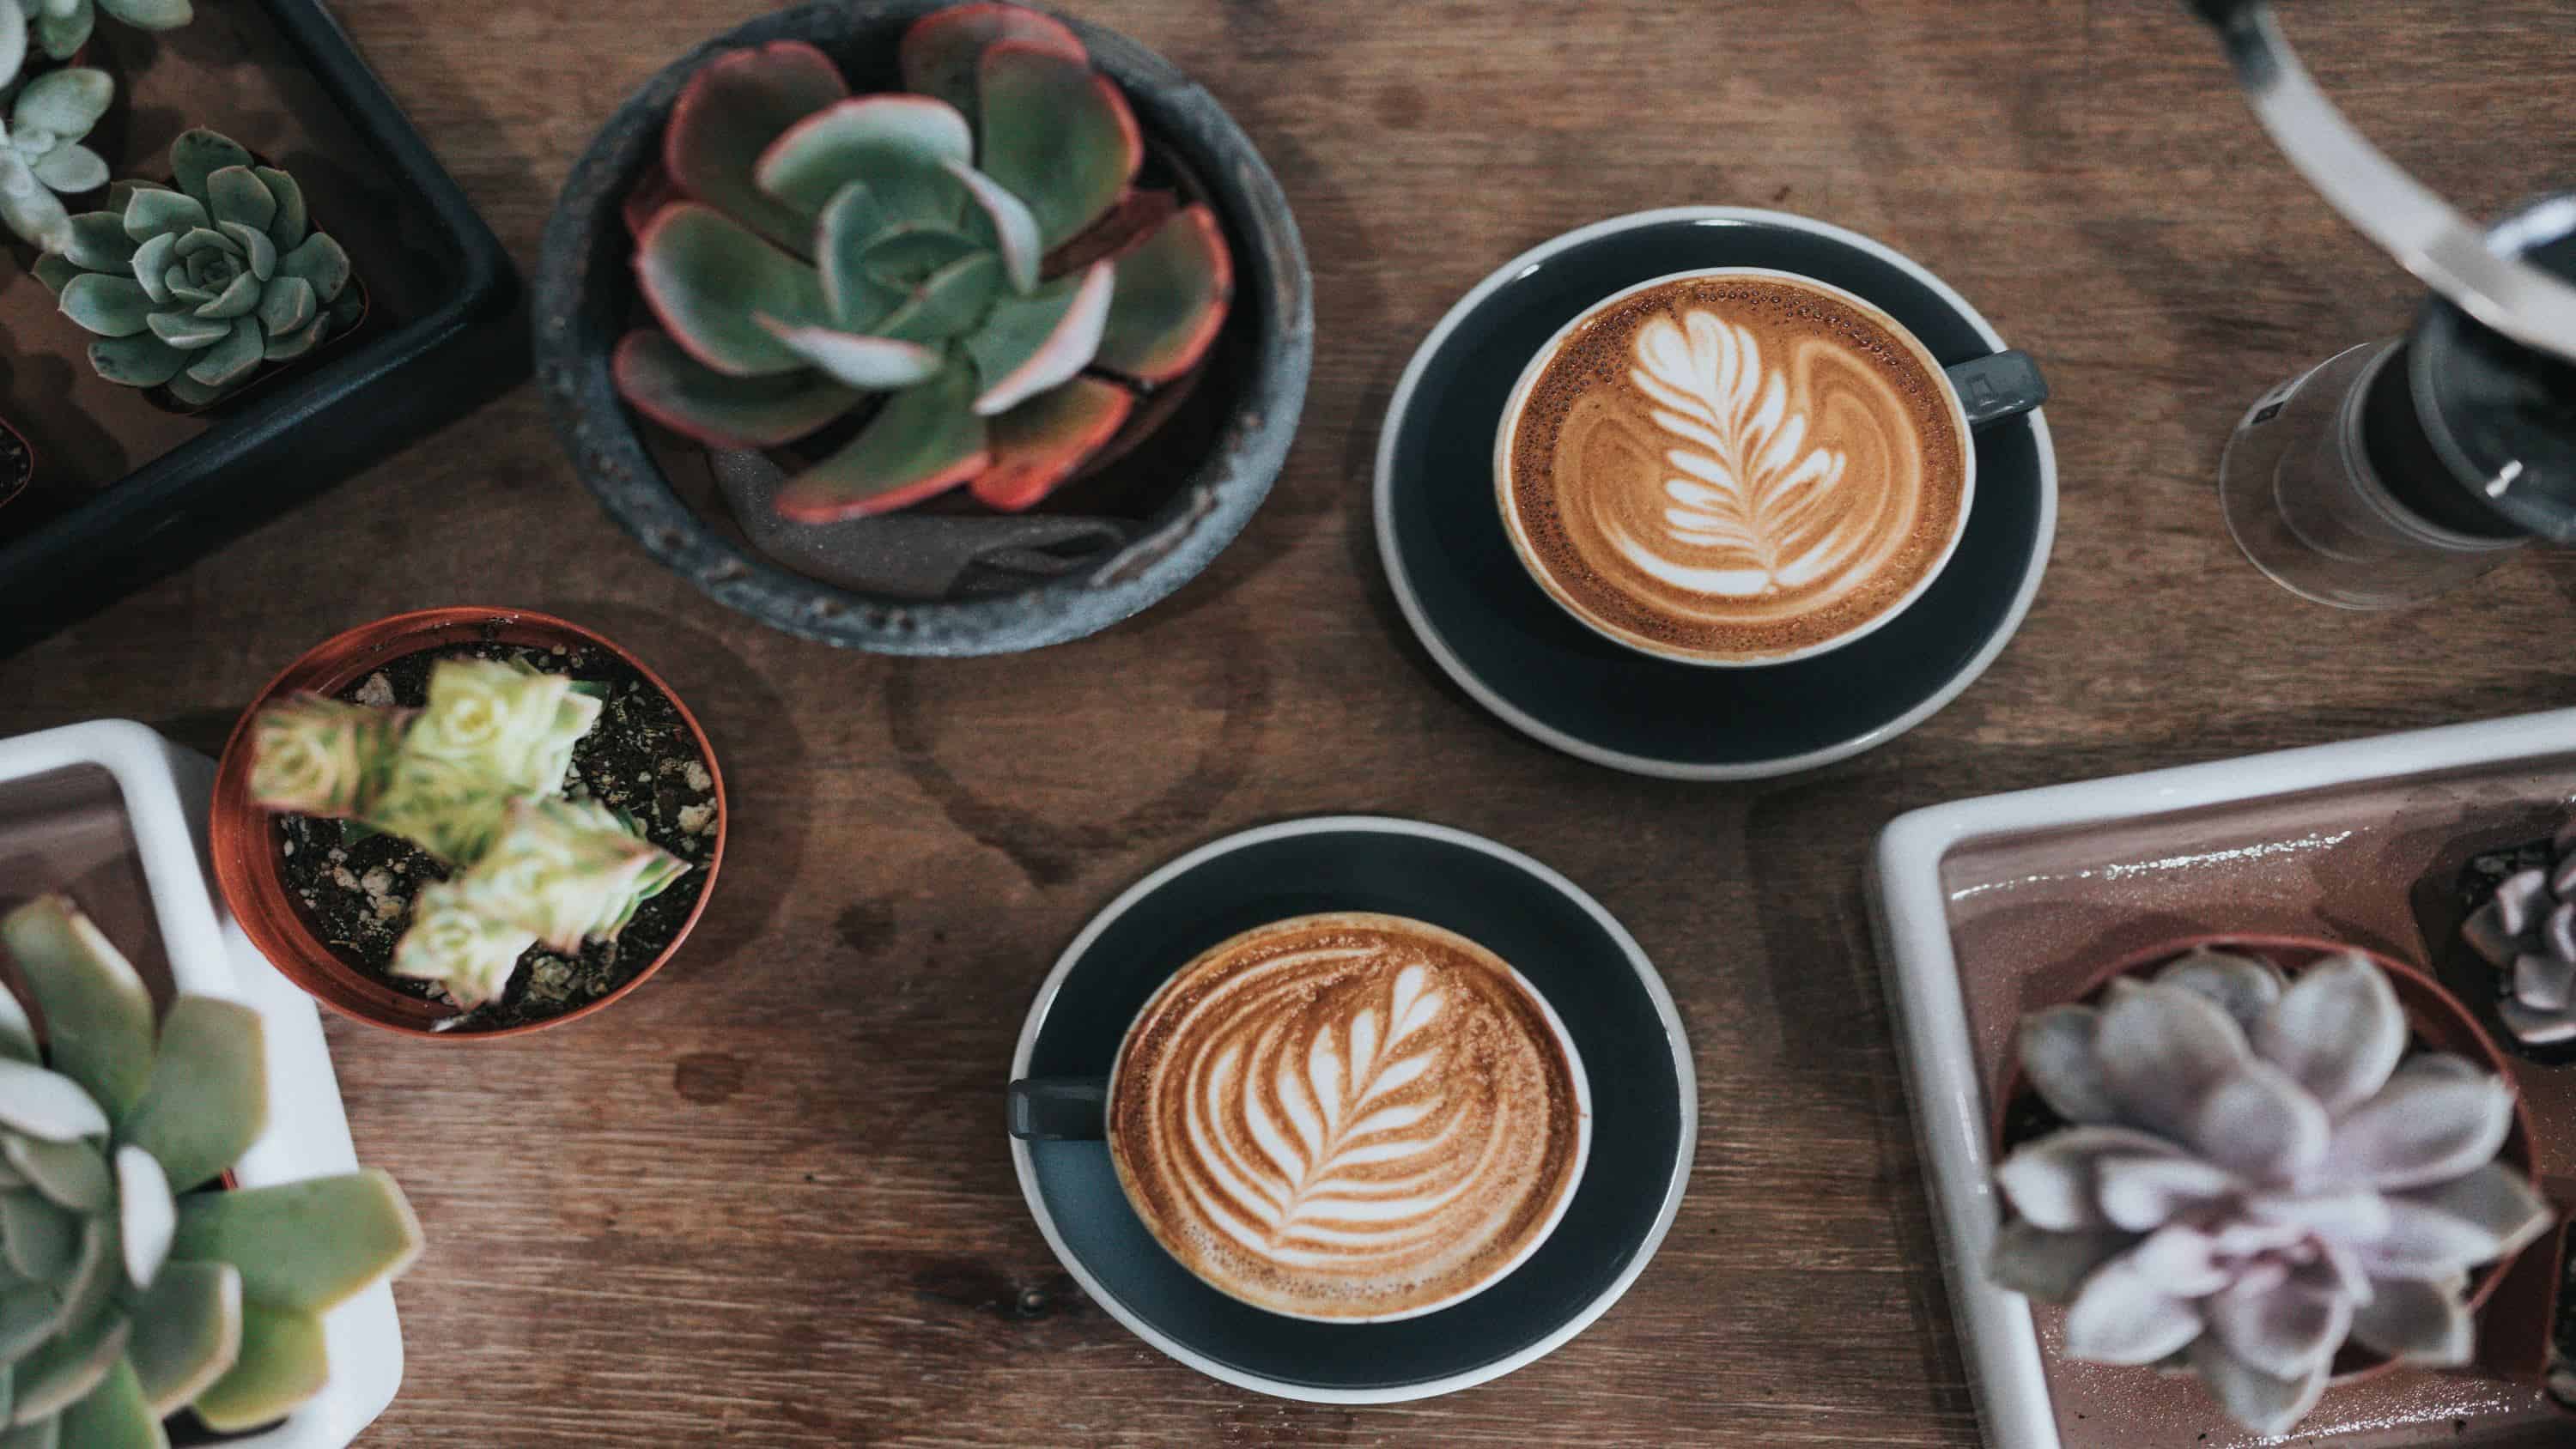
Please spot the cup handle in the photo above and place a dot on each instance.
(1998, 386)
(1059, 1109)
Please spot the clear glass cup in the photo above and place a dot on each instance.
(2308, 508)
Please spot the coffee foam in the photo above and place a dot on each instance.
(1346, 1116)
(1735, 468)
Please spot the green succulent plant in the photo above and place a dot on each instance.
(986, 299)
(476, 779)
(59, 28)
(132, 1285)
(42, 159)
(192, 287)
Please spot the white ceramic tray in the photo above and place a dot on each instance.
(164, 791)
(1984, 906)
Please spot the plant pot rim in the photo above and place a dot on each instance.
(579, 313)
(2415, 987)
(242, 837)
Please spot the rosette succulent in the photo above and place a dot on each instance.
(193, 287)
(41, 152)
(962, 274)
(2527, 931)
(59, 28)
(132, 1285)
(476, 779)
(2256, 1171)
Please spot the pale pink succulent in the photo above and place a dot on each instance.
(2256, 1171)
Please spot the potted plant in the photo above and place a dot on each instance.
(2267, 1162)
(148, 1294)
(199, 287)
(467, 823)
(863, 258)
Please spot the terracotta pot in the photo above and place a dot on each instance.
(2442, 1023)
(244, 839)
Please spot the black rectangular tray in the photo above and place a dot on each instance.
(309, 428)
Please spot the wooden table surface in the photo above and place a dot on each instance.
(767, 1201)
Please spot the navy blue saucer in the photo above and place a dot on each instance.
(1644, 1102)
(1504, 641)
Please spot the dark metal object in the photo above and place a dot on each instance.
(315, 427)
(585, 299)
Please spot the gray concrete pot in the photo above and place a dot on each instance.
(1253, 389)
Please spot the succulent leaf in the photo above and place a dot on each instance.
(29, 207)
(1032, 343)
(676, 390)
(186, 332)
(853, 218)
(1056, 134)
(2527, 931)
(940, 52)
(286, 346)
(150, 14)
(147, 1214)
(109, 306)
(97, 241)
(706, 276)
(47, 1105)
(924, 440)
(207, 1099)
(98, 1015)
(949, 302)
(1173, 292)
(54, 272)
(1014, 229)
(198, 154)
(13, 42)
(471, 956)
(899, 144)
(187, 1332)
(645, 199)
(731, 112)
(1043, 442)
(42, 1240)
(71, 168)
(287, 305)
(569, 871)
(236, 194)
(321, 261)
(17, 1035)
(62, 1370)
(66, 102)
(70, 1174)
(151, 213)
(303, 1246)
(114, 1415)
(282, 1362)
(908, 253)
(290, 224)
(875, 364)
(231, 357)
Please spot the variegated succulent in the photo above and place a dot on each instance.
(59, 28)
(2527, 931)
(2255, 1171)
(963, 271)
(476, 779)
(192, 287)
(42, 159)
(132, 1285)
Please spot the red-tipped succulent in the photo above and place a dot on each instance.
(967, 261)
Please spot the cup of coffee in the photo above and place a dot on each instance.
(1739, 466)
(1348, 1117)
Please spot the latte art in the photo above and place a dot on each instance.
(1733, 468)
(1347, 1116)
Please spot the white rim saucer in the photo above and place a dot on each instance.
(1025, 1167)
(1390, 553)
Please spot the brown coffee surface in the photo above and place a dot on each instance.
(1735, 468)
(1345, 1115)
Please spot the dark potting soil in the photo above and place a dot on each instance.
(16, 464)
(639, 758)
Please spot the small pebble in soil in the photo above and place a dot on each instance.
(357, 891)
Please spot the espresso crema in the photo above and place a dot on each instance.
(1734, 468)
(1347, 1116)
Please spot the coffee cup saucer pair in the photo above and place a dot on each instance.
(1607, 1000)
(1499, 635)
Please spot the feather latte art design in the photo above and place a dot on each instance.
(1347, 1116)
(1735, 468)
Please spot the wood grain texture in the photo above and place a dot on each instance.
(766, 1202)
